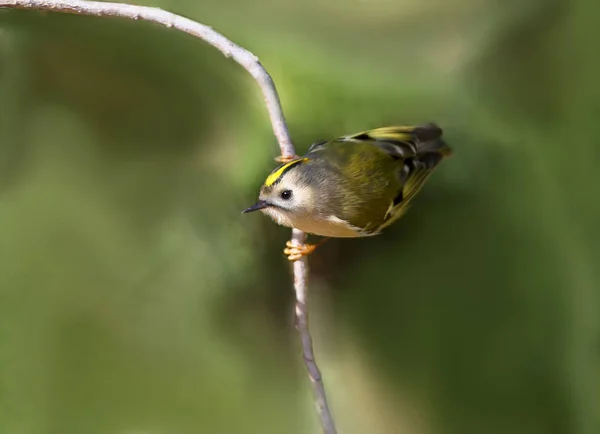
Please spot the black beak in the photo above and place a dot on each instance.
(258, 205)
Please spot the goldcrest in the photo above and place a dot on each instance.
(352, 186)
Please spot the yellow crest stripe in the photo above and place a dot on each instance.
(277, 173)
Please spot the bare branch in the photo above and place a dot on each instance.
(242, 56)
(251, 64)
(301, 287)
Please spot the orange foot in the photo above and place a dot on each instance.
(282, 159)
(295, 252)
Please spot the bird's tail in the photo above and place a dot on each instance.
(428, 139)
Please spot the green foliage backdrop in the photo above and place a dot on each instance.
(134, 297)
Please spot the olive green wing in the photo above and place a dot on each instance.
(418, 150)
(415, 172)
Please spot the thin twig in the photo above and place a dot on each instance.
(251, 64)
(301, 287)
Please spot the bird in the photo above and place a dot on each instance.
(351, 186)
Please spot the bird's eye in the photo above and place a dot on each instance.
(286, 194)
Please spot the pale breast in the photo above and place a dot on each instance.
(330, 226)
(326, 227)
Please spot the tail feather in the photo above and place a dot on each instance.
(429, 139)
(427, 132)
(430, 150)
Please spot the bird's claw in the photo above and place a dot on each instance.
(286, 159)
(294, 251)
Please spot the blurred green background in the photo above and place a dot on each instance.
(136, 299)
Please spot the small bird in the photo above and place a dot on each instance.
(352, 186)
